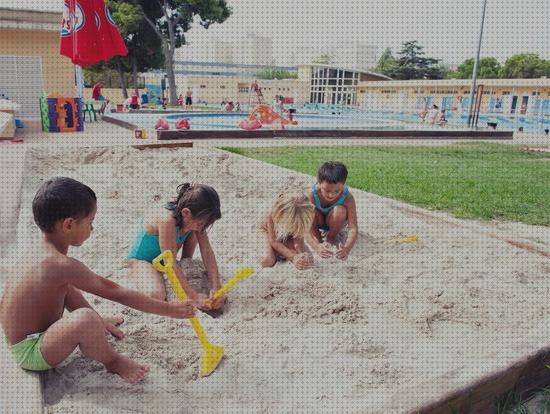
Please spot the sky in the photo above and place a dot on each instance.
(448, 29)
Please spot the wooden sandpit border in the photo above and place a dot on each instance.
(336, 134)
(165, 135)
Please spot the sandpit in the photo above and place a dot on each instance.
(391, 329)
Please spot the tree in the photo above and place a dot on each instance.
(324, 59)
(413, 65)
(489, 68)
(171, 19)
(386, 64)
(274, 73)
(144, 50)
(525, 65)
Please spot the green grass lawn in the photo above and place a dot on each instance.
(470, 180)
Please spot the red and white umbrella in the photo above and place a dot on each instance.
(89, 34)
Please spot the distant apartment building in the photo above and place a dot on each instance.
(357, 55)
(254, 50)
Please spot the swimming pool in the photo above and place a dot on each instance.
(352, 120)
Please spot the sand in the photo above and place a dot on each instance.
(371, 334)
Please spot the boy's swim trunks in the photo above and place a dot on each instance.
(28, 355)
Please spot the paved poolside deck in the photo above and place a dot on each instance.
(105, 134)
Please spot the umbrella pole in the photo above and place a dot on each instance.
(79, 81)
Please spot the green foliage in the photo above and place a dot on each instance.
(412, 64)
(171, 19)
(324, 59)
(274, 73)
(471, 180)
(489, 68)
(525, 65)
(386, 64)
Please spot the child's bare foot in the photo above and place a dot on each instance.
(127, 369)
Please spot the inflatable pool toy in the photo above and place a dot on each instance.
(266, 115)
(211, 354)
(182, 124)
(162, 124)
(250, 125)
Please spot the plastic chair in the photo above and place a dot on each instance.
(89, 109)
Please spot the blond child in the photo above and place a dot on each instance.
(39, 332)
(283, 229)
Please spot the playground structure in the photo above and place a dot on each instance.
(61, 114)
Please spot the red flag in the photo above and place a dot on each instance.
(89, 33)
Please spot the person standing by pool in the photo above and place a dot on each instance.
(189, 100)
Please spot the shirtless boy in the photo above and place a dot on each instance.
(39, 334)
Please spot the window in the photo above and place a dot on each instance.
(222, 86)
(243, 89)
(203, 86)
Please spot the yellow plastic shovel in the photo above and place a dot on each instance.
(409, 239)
(211, 354)
(237, 277)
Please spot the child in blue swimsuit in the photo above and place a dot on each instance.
(182, 223)
(334, 208)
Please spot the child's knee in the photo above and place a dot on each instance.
(339, 214)
(85, 318)
(268, 261)
(158, 294)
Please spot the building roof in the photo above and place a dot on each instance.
(38, 6)
(363, 71)
(461, 82)
(19, 18)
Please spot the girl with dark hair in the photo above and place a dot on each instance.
(181, 224)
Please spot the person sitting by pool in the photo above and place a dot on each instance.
(134, 102)
(144, 99)
(238, 106)
(229, 106)
(96, 92)
(441, 118)
(180, 100)
(432, 114)
(158, 101)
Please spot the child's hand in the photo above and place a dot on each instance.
(303, 261)
(218, 303)
(200, 301)
(182, 310)
(343, 252)
(325, 250)
(111, 326)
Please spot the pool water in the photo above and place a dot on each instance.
(352, 119)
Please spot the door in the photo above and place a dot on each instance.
(514, 104)
(21, 81)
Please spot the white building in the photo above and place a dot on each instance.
(253, 50)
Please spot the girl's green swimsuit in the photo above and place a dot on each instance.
(147, 246)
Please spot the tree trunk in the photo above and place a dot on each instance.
(169, 66)
(135, 75)
(121, 77)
